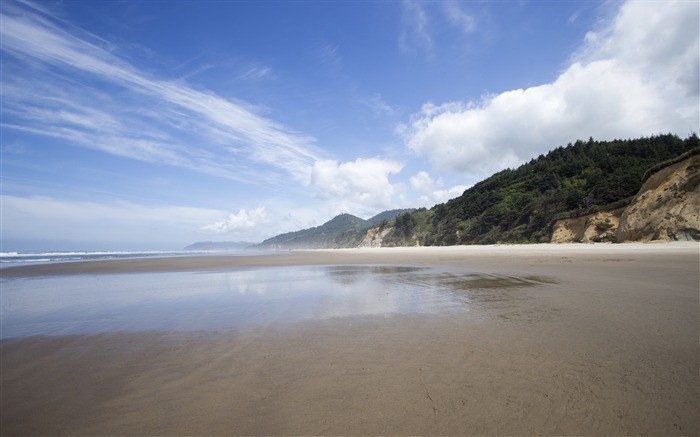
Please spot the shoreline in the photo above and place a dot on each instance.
(609, 346)
(433, 255)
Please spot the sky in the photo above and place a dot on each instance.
(149, 125)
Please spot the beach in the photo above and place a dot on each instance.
(567, 339)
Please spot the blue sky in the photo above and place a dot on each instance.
(151, 125)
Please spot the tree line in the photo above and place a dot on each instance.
(520, 205)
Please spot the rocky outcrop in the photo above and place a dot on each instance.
(592, 228)
(374, 237)
(667, 207)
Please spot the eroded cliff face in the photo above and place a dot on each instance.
(374, 237)
(667, 207)
(592, 228)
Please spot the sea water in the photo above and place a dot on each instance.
(213, 300)
(9, 259)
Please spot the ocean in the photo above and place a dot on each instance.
(8, 259)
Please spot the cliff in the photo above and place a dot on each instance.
(374, 237)
(591, 228)
(666, 208)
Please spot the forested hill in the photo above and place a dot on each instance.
(519, 205)
(341, 231)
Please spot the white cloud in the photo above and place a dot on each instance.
(422, 182)
(637, 76)
(430, 193)
(361, 186)
(68, 64)
(656, 39)
(244, 221)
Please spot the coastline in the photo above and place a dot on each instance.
(609, 345)
(483, 256)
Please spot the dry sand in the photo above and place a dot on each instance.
(611, 347)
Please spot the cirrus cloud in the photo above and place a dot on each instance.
(166, 121)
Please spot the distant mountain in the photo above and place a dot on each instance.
(341, 231)
(316, 237)
(218, 246)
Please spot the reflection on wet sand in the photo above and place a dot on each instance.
(187, 301)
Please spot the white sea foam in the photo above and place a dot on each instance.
(8, 259)
(45, 257)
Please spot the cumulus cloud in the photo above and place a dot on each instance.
(637, 76)
(422, 181)
(360, 186)
(244, 221)
(430, 191)
(659, 39)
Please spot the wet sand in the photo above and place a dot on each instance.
(608, 344)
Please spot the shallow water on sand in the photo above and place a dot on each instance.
(188, 301)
